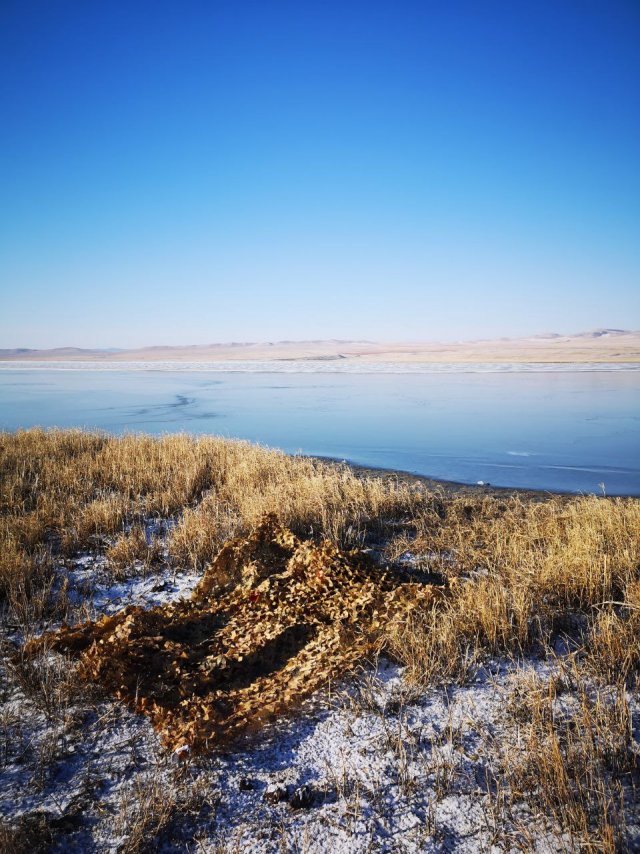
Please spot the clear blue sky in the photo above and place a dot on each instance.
(191, 172)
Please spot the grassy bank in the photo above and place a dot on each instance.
(557, 579)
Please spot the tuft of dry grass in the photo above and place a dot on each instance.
(613, 650)
(150, 811)
(576, 758)
(30, 834)
(49, 682)
(130, 548)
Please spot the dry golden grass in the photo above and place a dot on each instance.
(519, 573)
(575, 749)
(30, 835)
(150, 808)
(63, 491)
(519, 570)
(133, 548)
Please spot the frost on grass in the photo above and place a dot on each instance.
(370, 764)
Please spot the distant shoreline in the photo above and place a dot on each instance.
(453, 487)
(323, 366)
(611, 346)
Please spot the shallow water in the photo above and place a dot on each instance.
(556, 430)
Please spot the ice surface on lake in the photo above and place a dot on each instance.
(557, 427)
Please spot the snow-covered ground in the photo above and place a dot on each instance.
(89, 584)
(368, 765)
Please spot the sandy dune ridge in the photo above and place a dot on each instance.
(602, 345)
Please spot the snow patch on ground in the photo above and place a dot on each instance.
(376, 766)
(89, 582)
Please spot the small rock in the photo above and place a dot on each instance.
(302, 798)
(245, 784)
(275, 794)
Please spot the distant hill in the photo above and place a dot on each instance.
(598, 345)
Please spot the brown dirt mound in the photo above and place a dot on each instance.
(273, 618)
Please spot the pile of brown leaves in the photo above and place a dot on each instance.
(273, 618)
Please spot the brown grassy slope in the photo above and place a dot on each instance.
(520, 569)
(519, 575)
(61, 491)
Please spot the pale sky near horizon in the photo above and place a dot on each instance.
(182, 173)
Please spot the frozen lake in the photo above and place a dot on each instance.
(556, 429)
